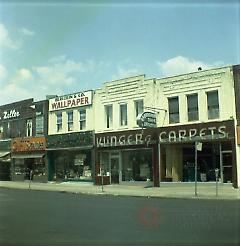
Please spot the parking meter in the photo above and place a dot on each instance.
(216, 174)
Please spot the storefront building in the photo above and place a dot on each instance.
(28, 157)
(70, 156)
(20, 123)
(5, 159)
(70, 137)
(236, 76)
(196, 107)
(168, 154)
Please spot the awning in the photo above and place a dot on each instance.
(4, 153)
(5, 156)
(71, 148)
(28, 155)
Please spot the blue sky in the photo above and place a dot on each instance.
(59, 47)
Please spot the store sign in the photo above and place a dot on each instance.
(166, 135)
(10, 114)
(147, 120)
(238, 135)
(76, 139)
(28, 144)
(70, 101)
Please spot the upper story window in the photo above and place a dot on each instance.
(192, 106)
(29, 128)
(109, 115)
(70, 120)
(82, 119)
(213, 104)
(39, 125)
(1, 132)
(59, 121)
(173, 106)
(123, 115)
(138, 107)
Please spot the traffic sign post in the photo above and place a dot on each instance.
(217, 175)
(198, 147)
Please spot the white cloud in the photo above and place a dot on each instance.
(125, 72)
(5, 40)
(60, 77)
(3, 72)
(59, 73)
(181, 65)
(26, 32)
(22, 76)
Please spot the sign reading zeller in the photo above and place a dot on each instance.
(147, 120)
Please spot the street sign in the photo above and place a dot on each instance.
(147, 120)
(199, 146)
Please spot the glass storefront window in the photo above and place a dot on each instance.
(73, 165)
(104, 163)
(137, 165)
(19, 168)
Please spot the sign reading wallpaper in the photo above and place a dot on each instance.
(71, 101)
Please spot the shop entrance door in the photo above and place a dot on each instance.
(227, 166)
(114, 167)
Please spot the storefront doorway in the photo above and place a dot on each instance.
(127, 165)
(226, 170)
(115, 171)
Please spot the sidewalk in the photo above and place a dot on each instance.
(167, 190)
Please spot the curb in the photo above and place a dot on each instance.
(107, 193)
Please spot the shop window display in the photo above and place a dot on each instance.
(23, 167)
(137, 165)
(73, 166)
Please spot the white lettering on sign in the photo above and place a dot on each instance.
(70, 101)
(146, 120)
(13, 113)
(164, 137)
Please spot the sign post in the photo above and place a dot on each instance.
(216, 174)
(101, 172)
(198, 147)
(30, 178)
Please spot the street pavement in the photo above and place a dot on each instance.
(31, 217)
(144, 189)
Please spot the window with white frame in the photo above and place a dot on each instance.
(213, 104)
(173, 106)
(138, 107)
(192, 106)
(29, 128)
(109, 115)
(70, 120)
(59, 121)
(123, 114)
(82, 119)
